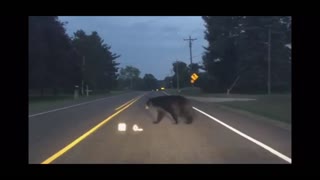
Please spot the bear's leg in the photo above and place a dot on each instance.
(189, 119)
(174, 117)
(159, 117)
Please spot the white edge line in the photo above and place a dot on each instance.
(165, 93)
(37, 114)
(273, 151)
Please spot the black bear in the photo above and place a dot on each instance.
(176, 106)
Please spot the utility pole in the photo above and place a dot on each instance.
(269, 56)
(87, 91)
(190, 47)
(269, 60)
(82, 82)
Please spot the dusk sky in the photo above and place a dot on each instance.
(150, 43)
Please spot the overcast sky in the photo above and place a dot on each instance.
(150, 43)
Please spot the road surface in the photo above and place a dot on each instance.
(88, 134)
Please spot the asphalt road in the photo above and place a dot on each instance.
(217, 136)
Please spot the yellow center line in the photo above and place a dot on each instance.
(79, 139)
(125, 104)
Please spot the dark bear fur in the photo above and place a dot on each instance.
(176, 106)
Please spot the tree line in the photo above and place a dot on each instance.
(238, 54)
(58, 63)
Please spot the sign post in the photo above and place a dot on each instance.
(76, 92)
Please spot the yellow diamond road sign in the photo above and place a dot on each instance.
(194, 76)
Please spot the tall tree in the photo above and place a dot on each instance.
(181, 70)
(194, 68)
(150, 82)
(220, 57)
(254, 53)
(129, 76)
(99, 65)
(52, 61)
(238, 49)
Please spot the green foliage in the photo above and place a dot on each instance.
(238, 47)
(99, 65)
(53, 63)
(56, 60)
